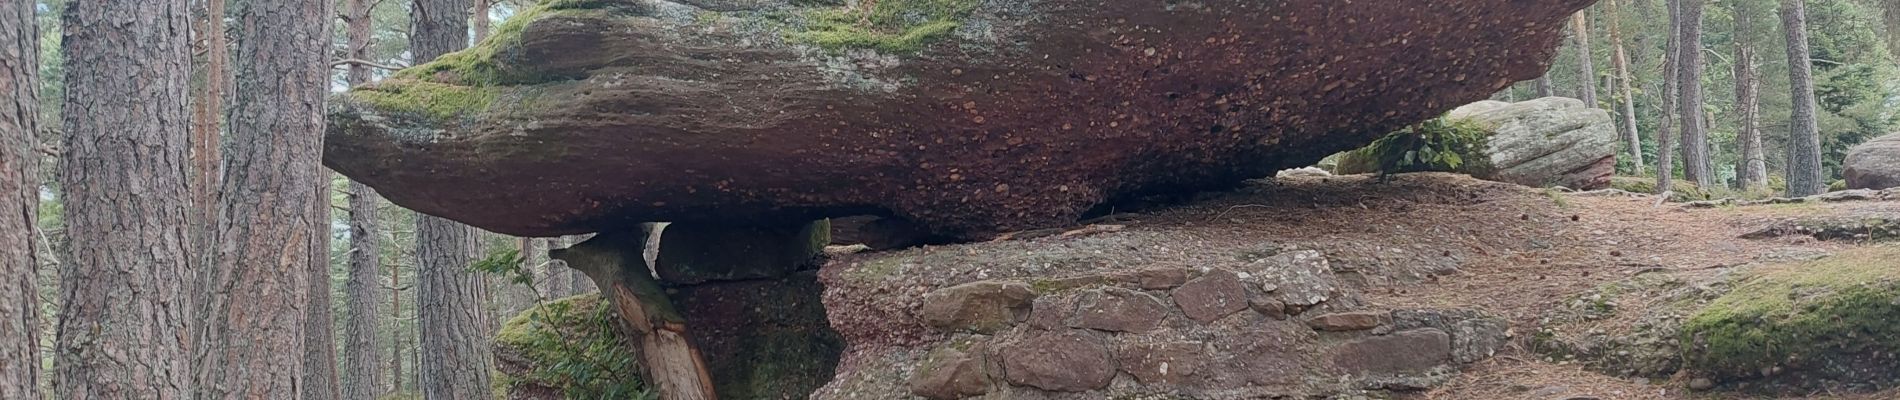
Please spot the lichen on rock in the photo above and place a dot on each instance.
(1836, 318)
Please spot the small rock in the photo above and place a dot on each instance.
(1298, 278)
(949, 374)
(1119, 310)
(1163, 363)
(1412, 351)
(978, 307)
(1211, 297)
(1070, 361)
(1701, 384)
(1346, 321)
(1156, 279)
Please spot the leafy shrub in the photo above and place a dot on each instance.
(1441, 144)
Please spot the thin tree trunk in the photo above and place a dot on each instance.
(19, 202)
(395, 330)
(480, 19)
(319, 360)
(261, 271)
(1754, 169)
(1695, 136)
(1586, 67)
(1632, 138)
(362, 370)
(125, 288)
(1544, 87)
(206, 118)
(1804, 139)
(1665, 142)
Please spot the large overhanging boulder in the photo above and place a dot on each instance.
(969, 117)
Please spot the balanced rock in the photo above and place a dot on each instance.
(967, 117)
(1875, 164)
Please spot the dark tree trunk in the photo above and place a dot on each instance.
(19, 201)
(1632, 138)
(1544, 86)
(1754, 170)
(1672, 66)
(455, 359)
(125, 289)
(1804, 139)
(479, 18)
(1695, 135)
(206, 121)
(261, 270)
(319, 360)
(362, 370)
(1586, 66)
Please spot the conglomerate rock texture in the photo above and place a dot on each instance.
(969, 117)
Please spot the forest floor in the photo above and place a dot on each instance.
(1449, 241)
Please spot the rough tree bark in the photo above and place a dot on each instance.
(206, 120)
(260, 273)
(19, 201)
(1804, 138)
(452, 320)
(1544, 87)
(125, 289)
(1695, 135)
(1672, 65)
(1586, 65)
(669, 362)
(455, 358)
(362, 370)
(1754, 170)
(319, 333)
(1632, 138)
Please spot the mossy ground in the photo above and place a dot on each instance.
(479, 65)
(571, 345)
(898, 26)
(1840, 307)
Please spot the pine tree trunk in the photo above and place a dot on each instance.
(453, 345)
(19, 202)
(1632, 138)
(256, 338)
(395, 330)
(1544, 87)
(362, 368)
(1754, 169)
(1804, 139)
(125, 289)
(1586, 67)
(207, 116)
(1665, 142)
(455, 360)
(480, 19)
(1695, 136)
(319, 359)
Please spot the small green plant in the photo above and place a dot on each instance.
(573, 344)
(1440, 144)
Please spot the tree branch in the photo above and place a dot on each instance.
(366, 63)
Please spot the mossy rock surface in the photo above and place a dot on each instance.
(1834, 319)
(566, 349)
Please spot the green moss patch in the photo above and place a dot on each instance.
(1442, 144)
(479, 66)
(898, 26)
(435, 100)
(571, 346)
(1826, 318)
